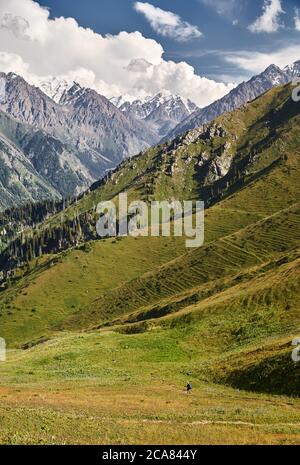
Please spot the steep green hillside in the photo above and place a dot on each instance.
(55, 287)
(257, 244)
(249, 157)
(109, 331)
(250, 148)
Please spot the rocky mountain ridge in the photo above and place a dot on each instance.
(243, 93)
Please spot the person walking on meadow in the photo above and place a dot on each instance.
(189, 388)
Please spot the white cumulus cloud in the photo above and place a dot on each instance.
(38, 47)
(16, 24)
(166, 23)
(269, 21)
(256, 62)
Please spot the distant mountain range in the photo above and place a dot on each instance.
(59, 138)
(167, 115)
(161, 113)
(69, 144)
(238, 96)
(87, 121)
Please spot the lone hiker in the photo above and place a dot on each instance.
(189, 388)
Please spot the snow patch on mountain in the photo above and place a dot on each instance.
(293, 70)
(119, 101)
(2, 90)
(161, 112)
(54, 87)
(143, 107)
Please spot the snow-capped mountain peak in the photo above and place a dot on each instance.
(72, 92)
(274, 75)
(119, 101)
(54, 87)
(162, 111)
(294, 69)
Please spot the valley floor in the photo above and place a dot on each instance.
(50, 394)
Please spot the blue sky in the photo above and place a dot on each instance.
(198, 49)
(215, 19)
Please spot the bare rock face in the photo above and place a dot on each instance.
(99, 125)
(55, 171)
(56, 163)
(219, 166)
(20, 181)
(237, 97)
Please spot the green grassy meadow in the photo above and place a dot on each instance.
(104, 388)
